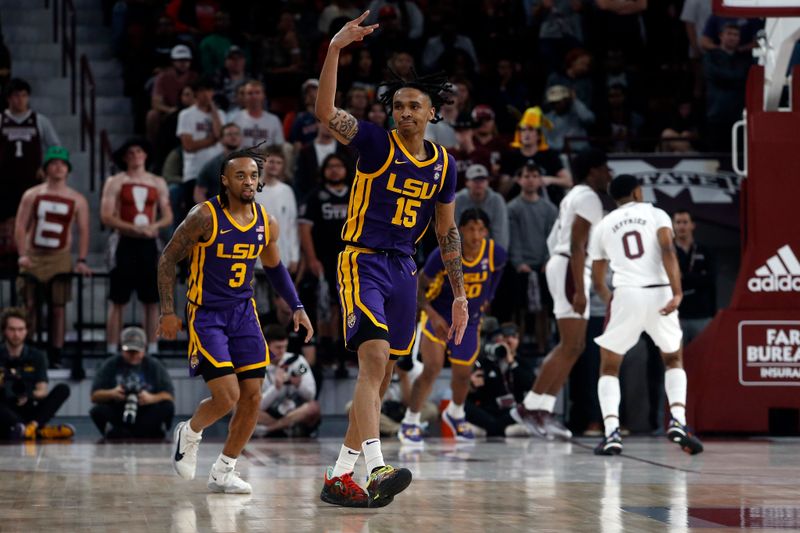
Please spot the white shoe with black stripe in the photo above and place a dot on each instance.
(184, 458)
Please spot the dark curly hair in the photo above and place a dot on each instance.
(253, 153)
(436, 86)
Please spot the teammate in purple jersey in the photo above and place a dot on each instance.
(223, 238)
(401, 182)
(482, 263)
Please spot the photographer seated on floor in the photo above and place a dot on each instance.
(25, 403)
(498, 381)
(288, 407)
(133, 392)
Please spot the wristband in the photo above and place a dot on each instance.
(81, 260)
(281, 281)
(461, 298)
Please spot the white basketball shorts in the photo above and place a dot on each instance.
(635, 310)
(562, 287)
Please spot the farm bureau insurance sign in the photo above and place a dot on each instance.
(769, 352)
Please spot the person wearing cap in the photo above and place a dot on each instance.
(303, 127)
(199, 130)
(530, 144)
(288, 405)
(531, 218)
(135, 205)
(498, 380)
(478, 194)
(26, 404)
(131, 376)
(43, 233)
(24, 137)
(568, 282)
(258, 125)
(167, 88)
(570, 118)
(230, 77)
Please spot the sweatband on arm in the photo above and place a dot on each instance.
(281, 281)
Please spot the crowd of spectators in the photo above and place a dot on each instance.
(534, 81)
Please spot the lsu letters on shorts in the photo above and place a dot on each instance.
(562, 287)
(378, 293)
(634, 310)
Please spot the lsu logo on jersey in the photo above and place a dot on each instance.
(239, 251)
(412, 188)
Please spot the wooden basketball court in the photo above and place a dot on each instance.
(514, 485)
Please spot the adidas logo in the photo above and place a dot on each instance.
(780, 274)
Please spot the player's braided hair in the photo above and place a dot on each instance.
(436, 86)
(254, 153)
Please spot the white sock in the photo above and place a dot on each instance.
(609, 395)
(372, 454)
(411, 418)
(675, 385)
(194, 435)
(112, 349)
(532, 401)
(152, 348)
(455, 411)
(346, 462)
(548, 403)
(225, 463)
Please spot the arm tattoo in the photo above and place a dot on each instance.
(196, 224)
(344, 124)
(450, 247)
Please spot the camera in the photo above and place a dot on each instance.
(495, 351)
(132, 386)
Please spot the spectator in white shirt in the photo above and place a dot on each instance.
(258, 125)
(199, 130)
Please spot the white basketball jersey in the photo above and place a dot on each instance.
(580, 200)
(628, 238)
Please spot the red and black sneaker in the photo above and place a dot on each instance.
(343, 491)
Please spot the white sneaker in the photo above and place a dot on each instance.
(185, 458)
(227, 481)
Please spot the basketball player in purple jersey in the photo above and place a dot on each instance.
(401, 182)
(482, 263)
(223, 237)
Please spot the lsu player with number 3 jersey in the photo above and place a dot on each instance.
(401, 181)
(636, 241)
(223, 238)
(482, 263)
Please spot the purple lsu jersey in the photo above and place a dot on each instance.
(221, 269)
(394, 195)
(481, 276)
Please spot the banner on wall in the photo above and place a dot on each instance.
(703, 185)
(769, 353)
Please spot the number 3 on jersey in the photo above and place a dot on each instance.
(632, 244)
(406, 214)
(238, 270)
